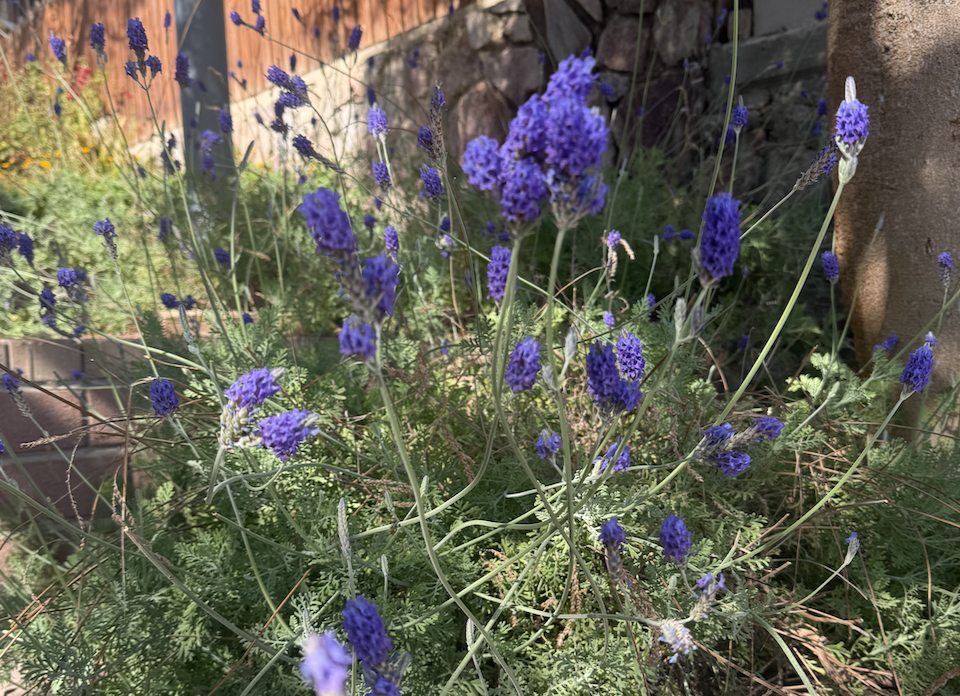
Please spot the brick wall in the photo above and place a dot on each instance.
(71, 411)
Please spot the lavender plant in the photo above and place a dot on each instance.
(548, 492)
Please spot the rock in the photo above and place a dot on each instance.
(618, 45)
(620, 83)
(680, 28)
(483, 29)
(458, 67)
(518, 28)
(514, 71)
(507, 6)
(481, 111)
(632, 6)
(593, 8)
(566, 34)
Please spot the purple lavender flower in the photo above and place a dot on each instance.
(739, 117)
(97, 41)
(326, 664)
(255, 6)
(730, 137)
(573, 80)
(47, 299)
(293, 62)
(25, 247)
(371, 94)
(355, 35)
(247, 319)
(606, 89)
(522, 188)
(169, 301)
(853, 123)
(731, 462)
(167, 20)
(722, 17)
(188, 302)
(105, 228)
(445, 224)
(336, 14)
(548, 444)
(608, 319)
(623, 461)
(888, 344)
(31, 58)
(164, 397)
(831, 267)
(296, 14)
(432, 186)
(425, 140)
(612, 535)
(822, 106)
(524, 365)
(630, 354)
(381, 175)
(137, 38)
(222, 256)
(66, 277)
(377, 122)
(328, 224)
(668, 233)
(181, 72)
(391, 240)
(916, 375)
(768, 427)
(381, 275)
(369, 221)
(481, 163)
(945, 262)
(253, 388)
(226, 122)
(283, 433)
(603, 378)
(164, 229)
(527, 135)
(576, 137)
(357, 338)
(366, 632)
(675, 539)
(303, 145)
(651, 300)
(59, 48)
(260, 24)
(686, 234)
(718, 433)
(153, 63)
(720, 242)
(497, 272)
(613, 238)
(77, 375)
(235, 18)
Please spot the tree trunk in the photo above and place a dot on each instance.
(903, 55)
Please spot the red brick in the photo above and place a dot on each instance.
(103, 402)
(52, 358)
(55, 416)
(101, 357)
(51, 473)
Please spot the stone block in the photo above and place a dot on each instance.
(680, 28)
(632, 6)
(566, 34)
(773, 16)
(484, 29)
(54, 416)
(518, 29)
(458, 67)
(618, 45)
(515, 71)
(803, 52)
(592, 8)
(507, 6)
(481, 111)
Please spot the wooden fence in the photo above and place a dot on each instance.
(71, 20)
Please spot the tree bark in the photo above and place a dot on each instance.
(905, 59)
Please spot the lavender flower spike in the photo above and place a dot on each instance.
(916, 375)
(853, 126)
